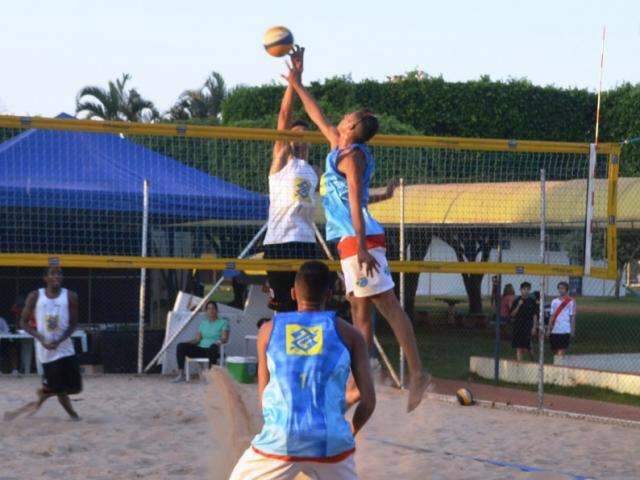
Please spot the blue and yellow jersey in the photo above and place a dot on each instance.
(304, 402)
(335, 197)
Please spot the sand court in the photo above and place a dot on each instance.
(145, 427)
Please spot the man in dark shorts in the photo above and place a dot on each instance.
(524, 312)
(562, 325)
(56, 314)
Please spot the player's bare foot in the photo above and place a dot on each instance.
(417, 387)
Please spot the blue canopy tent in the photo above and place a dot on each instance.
(52, 176)
(99, 171)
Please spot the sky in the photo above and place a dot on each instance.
(51, 49)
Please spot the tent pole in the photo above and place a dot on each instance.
(143, 272)
(203, 302)
(382, 353)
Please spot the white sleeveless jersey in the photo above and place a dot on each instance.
(292, 203)
(52, 320)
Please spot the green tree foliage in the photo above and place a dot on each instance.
(204, 103)
(620, 121)
(477, 108)
(116, 102)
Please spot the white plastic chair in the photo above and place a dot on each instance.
(203, 362)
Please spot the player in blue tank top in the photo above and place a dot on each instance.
(345, 191)
(304, 361)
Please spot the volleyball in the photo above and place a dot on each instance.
(278, 41)
(464, 396)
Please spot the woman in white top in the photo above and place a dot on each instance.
(292, 202)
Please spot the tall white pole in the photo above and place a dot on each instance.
(588, 233)
(143, 273)
(402, 257)
(604, 34)
(543, 287)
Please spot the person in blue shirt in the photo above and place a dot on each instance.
(361, 242)
(304, 361)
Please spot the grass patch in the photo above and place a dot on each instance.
(604, 325)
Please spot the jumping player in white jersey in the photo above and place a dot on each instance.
(56, 314)
(345, 192)
(292, 201)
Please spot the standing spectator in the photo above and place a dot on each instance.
(212, 332)
(524, 312)
(562, 325)
(508, 294)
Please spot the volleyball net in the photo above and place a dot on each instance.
(93, 193)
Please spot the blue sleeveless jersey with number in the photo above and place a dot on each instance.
(303, 404)
(335, 197)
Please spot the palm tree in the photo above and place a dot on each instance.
(204, 103)
(116, 102)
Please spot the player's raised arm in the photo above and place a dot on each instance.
(281, 147)
(311, 106)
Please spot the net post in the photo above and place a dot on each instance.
(543, 286)
(203, 302)
(497, 306)
(588, 228)
(402, 280)
(143, 273)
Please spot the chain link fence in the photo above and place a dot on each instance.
(602, 360)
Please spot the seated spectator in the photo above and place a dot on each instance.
(508, 294)
(562, 325)
(212, 332)
(524, 312)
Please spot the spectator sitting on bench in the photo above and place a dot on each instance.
(212, 333)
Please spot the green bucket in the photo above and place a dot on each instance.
(242, 369)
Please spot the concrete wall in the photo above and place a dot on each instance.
(611, 362)
(527, 372)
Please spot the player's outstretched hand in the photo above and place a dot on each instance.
(294, 74)
(371, 265)
(297, 58)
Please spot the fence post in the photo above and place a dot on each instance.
(143, 273)
(498, 300)
(543, 287)
(402, 286)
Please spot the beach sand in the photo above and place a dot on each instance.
(145, 427)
